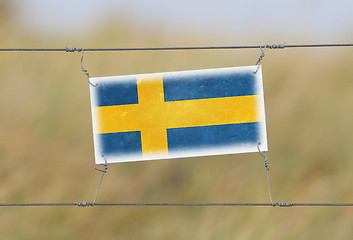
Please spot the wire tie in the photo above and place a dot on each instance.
(103, 172)
(85, 71)
(263, 154)
(285, 204)
(276, 46)
(84, 204)
(105, 164)
(260, 58)
(273, 46)
(67, 49)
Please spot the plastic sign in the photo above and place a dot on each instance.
(178, 114)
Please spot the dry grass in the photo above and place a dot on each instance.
(47, 149)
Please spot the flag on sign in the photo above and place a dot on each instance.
(178, 114)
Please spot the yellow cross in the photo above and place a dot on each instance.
(152, 116)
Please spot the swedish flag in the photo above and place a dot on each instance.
(178, 114)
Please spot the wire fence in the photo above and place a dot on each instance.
(262, 47)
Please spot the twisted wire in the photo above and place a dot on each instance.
(263, 154)
(103, 172)
(82, 67)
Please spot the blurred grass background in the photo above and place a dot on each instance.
(47, 146)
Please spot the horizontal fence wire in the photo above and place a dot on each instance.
(272, 46)
(88, 204)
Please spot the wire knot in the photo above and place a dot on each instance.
(84, 70)
(105, 164)
(103, 172)
(276, 46)
(260, 58)
(283, 204)
(267, 164)
(263, 154)
(263, 48)
(67, 49)
(84, 204)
